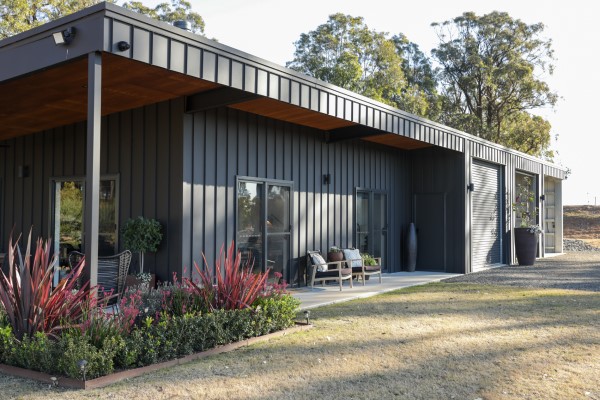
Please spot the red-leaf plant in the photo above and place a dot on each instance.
(233, 286)
(30, 302)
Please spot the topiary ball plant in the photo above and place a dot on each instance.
(142, 234)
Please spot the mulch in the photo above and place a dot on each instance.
(572, 271)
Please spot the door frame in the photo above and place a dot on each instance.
(386, 228)
(266, 182)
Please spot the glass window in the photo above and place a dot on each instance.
(69, 212)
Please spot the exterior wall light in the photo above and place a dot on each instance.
(64, 37)
(471, 187)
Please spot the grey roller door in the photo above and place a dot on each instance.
(486, 212)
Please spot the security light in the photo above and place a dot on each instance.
(123, 46)
(64, 37)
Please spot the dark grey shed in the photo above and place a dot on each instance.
(178, 124)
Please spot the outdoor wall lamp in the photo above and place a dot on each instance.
(471, 187)
(123, 46)
(64, 37)
(326, 179)
(543, 197)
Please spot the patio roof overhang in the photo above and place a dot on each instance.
(44, 85)
(57, 96)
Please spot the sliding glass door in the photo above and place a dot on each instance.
(371, 223)
(264, 224)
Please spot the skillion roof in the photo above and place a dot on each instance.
(44, 85)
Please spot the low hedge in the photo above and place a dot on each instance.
(155, 339)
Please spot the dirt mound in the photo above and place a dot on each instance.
(582, 222)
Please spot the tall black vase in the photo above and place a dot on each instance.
(411, 248)
(525, 246)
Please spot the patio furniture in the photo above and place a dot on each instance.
(321, 271)
(112, 272)
(354, 260)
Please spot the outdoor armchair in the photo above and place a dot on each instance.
(354, 260)
(321, 271)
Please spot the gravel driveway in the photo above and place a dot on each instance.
(576, 270)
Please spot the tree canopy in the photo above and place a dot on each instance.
(486, 82)
(17, 16)
(345, 52)
(489, 75)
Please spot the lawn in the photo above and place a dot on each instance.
(438, 341)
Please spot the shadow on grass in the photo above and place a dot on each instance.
(347, 356)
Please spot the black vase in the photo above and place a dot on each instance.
(525, 246)
(411, 248)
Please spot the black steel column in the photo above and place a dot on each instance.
(92, 177)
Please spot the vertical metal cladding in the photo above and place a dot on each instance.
(224, 143)
(440, 171)
(143, 146)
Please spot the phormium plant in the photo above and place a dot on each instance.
(233, 286)
(30, 302)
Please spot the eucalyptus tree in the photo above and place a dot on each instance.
(491, 69)
(21, 15)
(345, 52)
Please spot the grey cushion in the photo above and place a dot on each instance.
(353, 254)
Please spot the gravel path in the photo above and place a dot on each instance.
(576, 270)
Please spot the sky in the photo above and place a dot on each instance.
(269, 28)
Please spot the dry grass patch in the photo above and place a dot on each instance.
(439, 341)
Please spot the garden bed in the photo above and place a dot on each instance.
(65, 331)
(106, 380)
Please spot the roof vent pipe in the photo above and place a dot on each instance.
(182, 24)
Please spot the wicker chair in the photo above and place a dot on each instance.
(326, 271)
(112, 272)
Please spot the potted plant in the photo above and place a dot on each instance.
(335, 254)
(368, 260)
(142, 235)
(526, 235)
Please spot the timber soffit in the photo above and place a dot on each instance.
(355, 109)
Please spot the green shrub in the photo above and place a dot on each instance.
(37, 353)
(275, 312)
(7, 344)
(73, 349)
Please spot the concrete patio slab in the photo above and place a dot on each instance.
(330, 294)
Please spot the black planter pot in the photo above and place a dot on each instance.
(525, 246)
